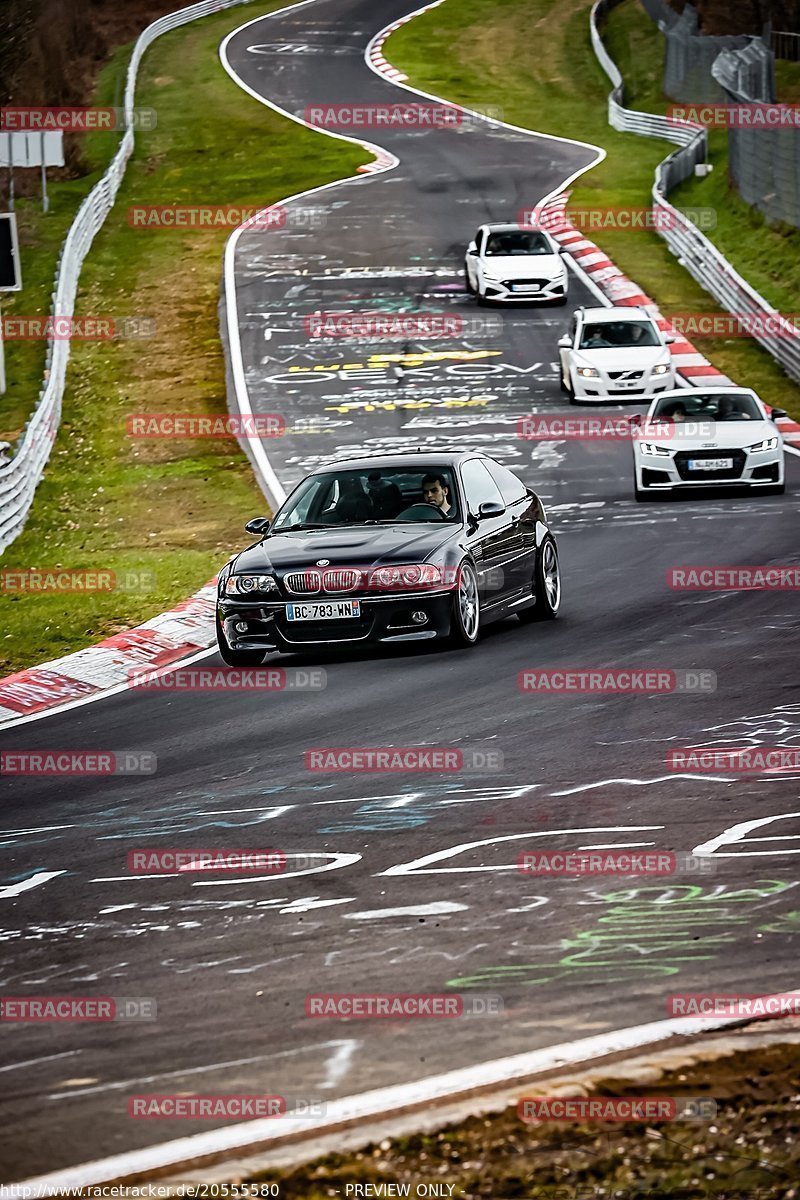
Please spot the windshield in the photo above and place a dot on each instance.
(610, 334)
(517, 242)
(708, 406)
(369, 496)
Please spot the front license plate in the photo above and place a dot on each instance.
(323, 610)
(525, 287)
(710, 464)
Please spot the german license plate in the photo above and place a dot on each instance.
(323, 610)
(710, 464)
(525, 287)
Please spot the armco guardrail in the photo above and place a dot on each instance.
(695, 252)
(21, 475)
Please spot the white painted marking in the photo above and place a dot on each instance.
(26, 885)
(738, 834)
(588, 787)
(419, 865)
(249, 1136)
(32, 1062)
(439, 908)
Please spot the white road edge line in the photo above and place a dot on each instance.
(252, 1136)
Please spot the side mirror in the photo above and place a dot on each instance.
(257, 525)
(565, 342)
(563, 250)
(472, 248)
(490, 508)
(669, 338)
(778, 412)
(635, 420)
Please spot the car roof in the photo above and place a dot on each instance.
(702, 390)
(413, 459)
(628, 312)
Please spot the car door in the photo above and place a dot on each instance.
(490, 539)
(477, 258)
(521, 511)
(565, 352)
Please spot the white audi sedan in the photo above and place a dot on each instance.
(705, 438)
(509, 263)
(615, 354)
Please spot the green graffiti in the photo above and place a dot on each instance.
(648, 931)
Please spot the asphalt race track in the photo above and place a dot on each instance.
(230, 959)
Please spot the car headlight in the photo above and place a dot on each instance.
(588, 372)
(652, 448)
(767, 444)
(661, 369)
(409, 575)
(245, 585)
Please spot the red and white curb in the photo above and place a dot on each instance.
(105, 668)
(375, 52)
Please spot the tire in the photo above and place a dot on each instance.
(482, 301)
(561, 302)
(237, 658)
(468, 282)
(567, 388)
(644, 497)
(546, 585)
(465, 612)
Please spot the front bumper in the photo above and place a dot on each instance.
(545, 290)
(752, 469)
(621, 390)
(384, 619)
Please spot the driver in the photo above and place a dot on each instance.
(437, 492)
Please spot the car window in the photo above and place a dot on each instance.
(512, 489)
(708, 406)
(479, 485)
(601, 335)
(518, 241)
(371, 495)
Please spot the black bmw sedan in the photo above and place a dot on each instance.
(390, 548)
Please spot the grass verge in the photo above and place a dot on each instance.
(748, 1151)
(170, 508)
(551, 81)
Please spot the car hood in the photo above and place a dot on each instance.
(517, 266)
(356, 546)
(724, 435)
(629, 358)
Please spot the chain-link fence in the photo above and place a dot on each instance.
(694, 251)
(689, 56)
(764, 163)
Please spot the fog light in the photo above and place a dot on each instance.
(241, 627)
(419, 618)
